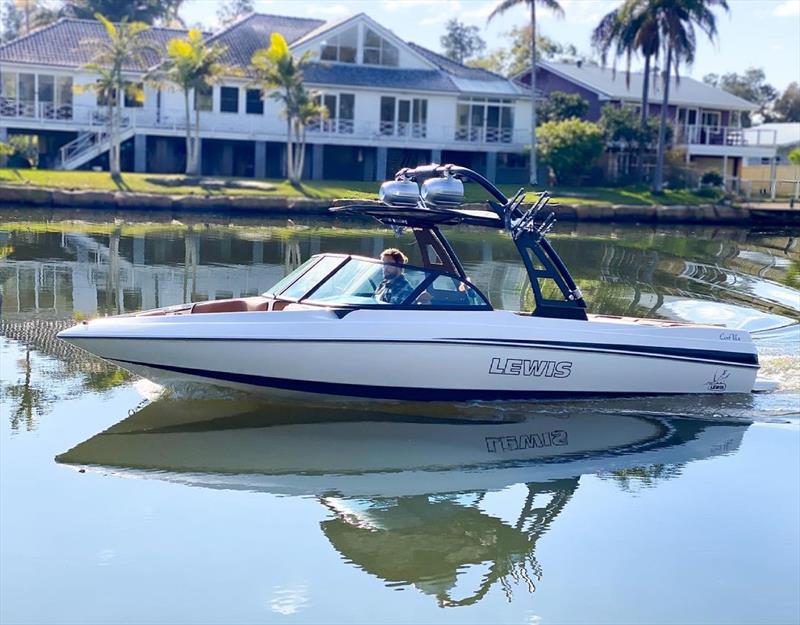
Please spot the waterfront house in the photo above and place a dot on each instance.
(391, 103)
(707, 120)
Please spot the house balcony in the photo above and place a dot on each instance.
(721, 141)
(239, 126)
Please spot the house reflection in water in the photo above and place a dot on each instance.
(414, 500)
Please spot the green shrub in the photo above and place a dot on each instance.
(560, 106)
(794, 156)
(712, 179)
(570, 147)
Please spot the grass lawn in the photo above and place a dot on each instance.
(327, 189)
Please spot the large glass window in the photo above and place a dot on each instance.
(204, 98)
(340, 113)
(342, 47)
(485, 120)
(378, 51)
(134, 95)
(229, 99)
(255, 104)
(403, 117)
(27, 94)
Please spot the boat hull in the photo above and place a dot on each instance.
(453, 356)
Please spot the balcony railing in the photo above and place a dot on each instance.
(484, 135)
(725, 136)
(263, 127)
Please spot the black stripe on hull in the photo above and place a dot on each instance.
(713, 357)
(383, 392)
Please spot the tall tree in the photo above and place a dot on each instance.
(191, 65)
(629, 30)
(461, 42)
(515, 59)
(676, 21)
(147, 11)
(123, 47)
(11, 21)
(231, 10)
(279, 75)
(553, 5)
(787, 107)
(751, 86)
(19, 17)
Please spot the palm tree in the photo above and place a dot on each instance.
(123, 47)
(676, 21)
(280, 76)
(631, 29)
(191, 65)
(553, 5)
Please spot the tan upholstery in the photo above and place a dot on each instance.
(241, 304)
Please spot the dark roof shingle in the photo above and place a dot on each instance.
(371, 76)
(69, 43)
(242, 38)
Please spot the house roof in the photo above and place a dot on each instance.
(379, 77)
(244, 36)
(613, 85)
(786, 134)
(68, 43)
(453, 67)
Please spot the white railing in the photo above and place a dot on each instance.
(90, 141)
(13, 107)
(479, 134)
(725, 136)
(86, 118)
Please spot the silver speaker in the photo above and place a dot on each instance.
(399, 193)
(443, 191)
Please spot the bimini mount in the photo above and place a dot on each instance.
(432, 195)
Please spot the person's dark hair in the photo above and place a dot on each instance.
(397, 256)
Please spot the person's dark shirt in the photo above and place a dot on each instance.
(393, 290)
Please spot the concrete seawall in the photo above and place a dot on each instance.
(20, 196)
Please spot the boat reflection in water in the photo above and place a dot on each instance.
(411, 500)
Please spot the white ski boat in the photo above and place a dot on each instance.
(324, 332)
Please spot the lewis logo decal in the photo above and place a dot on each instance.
(718, 382)
(537, 368)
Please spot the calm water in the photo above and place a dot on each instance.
(119, 504)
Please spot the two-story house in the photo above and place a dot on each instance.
(391, 103)
(707, 120)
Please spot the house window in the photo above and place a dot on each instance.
(8, 85)
(134, 95)
(378, 51)
(342, 47)
(204, 98)
(710, 118)
(484, 120)
(255, 104)
(404, 117)
(341, 113)
(229, 99)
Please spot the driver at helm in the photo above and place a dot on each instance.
(394, 288)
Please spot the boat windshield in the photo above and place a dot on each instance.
(365, 282)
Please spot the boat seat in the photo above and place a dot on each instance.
(240, 304)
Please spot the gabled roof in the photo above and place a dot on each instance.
(612, 85)
(68, 43)
(453, 67)
(252, 32)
